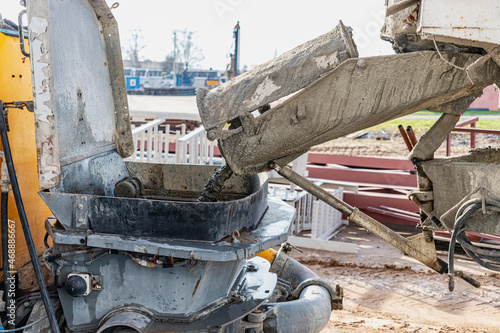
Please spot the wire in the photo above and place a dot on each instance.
(25, 327)
(465, 69)
(463, 214)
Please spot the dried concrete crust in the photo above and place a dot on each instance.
(358, 94)
(123, 131)
(395, 23)
(274, 79)
(94, 92)
(43, 85)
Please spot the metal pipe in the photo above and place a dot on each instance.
(405, 138)
(308, 314)
(21, 33)
(391, 10)
(24, 222)
(315, 190)
(411, 136)
(314, 299)
(416, 247)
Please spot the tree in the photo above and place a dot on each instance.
(186, 50)
(136, 45)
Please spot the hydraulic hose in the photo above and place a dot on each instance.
(462, 216)
(24, 222)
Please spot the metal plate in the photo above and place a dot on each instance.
(177, 215)
(188, 298)
(272, 231)
(461, 19)
(78, 84)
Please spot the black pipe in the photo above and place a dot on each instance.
(24, 222)
(5, 249)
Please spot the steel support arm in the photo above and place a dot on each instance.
(416, 247)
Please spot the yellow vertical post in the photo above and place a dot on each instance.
(15, 85)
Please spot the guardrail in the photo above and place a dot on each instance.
(311, 213)
(153, 145)
(195, 148)
(472, 122)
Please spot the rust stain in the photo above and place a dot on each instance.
(466, 27)
(196, 287)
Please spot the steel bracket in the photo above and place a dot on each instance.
(80, 210)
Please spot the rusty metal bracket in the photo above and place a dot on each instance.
(30, 106)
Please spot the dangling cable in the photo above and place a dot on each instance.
(490, 258)
(451, 64)
(24, 222)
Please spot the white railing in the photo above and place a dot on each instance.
(311, 213)
(195, 148)
(152, 145)
(326, 220)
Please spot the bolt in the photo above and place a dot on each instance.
(361, 63)
(252, 268)
(80, 206)
(211, 135)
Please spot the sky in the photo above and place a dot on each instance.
(268, 27)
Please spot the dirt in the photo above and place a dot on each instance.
(377, 144)
(386, 291)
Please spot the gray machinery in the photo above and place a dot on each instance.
(133, 249)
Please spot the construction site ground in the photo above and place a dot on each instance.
(387, 291)
(384, 140)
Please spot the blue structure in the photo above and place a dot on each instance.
(133, 82)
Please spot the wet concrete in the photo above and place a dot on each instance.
(216, 184)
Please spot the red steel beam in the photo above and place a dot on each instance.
(477, 130)
(363, 176)
(361, 162)
(468, 122)
(369, 199)
(405, 219)
(395, 210)
(389, 220)
(405, 137)
(412, 136)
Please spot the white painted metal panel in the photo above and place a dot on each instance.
(476, 21)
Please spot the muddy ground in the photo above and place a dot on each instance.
(379, 144)
(386, 291)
